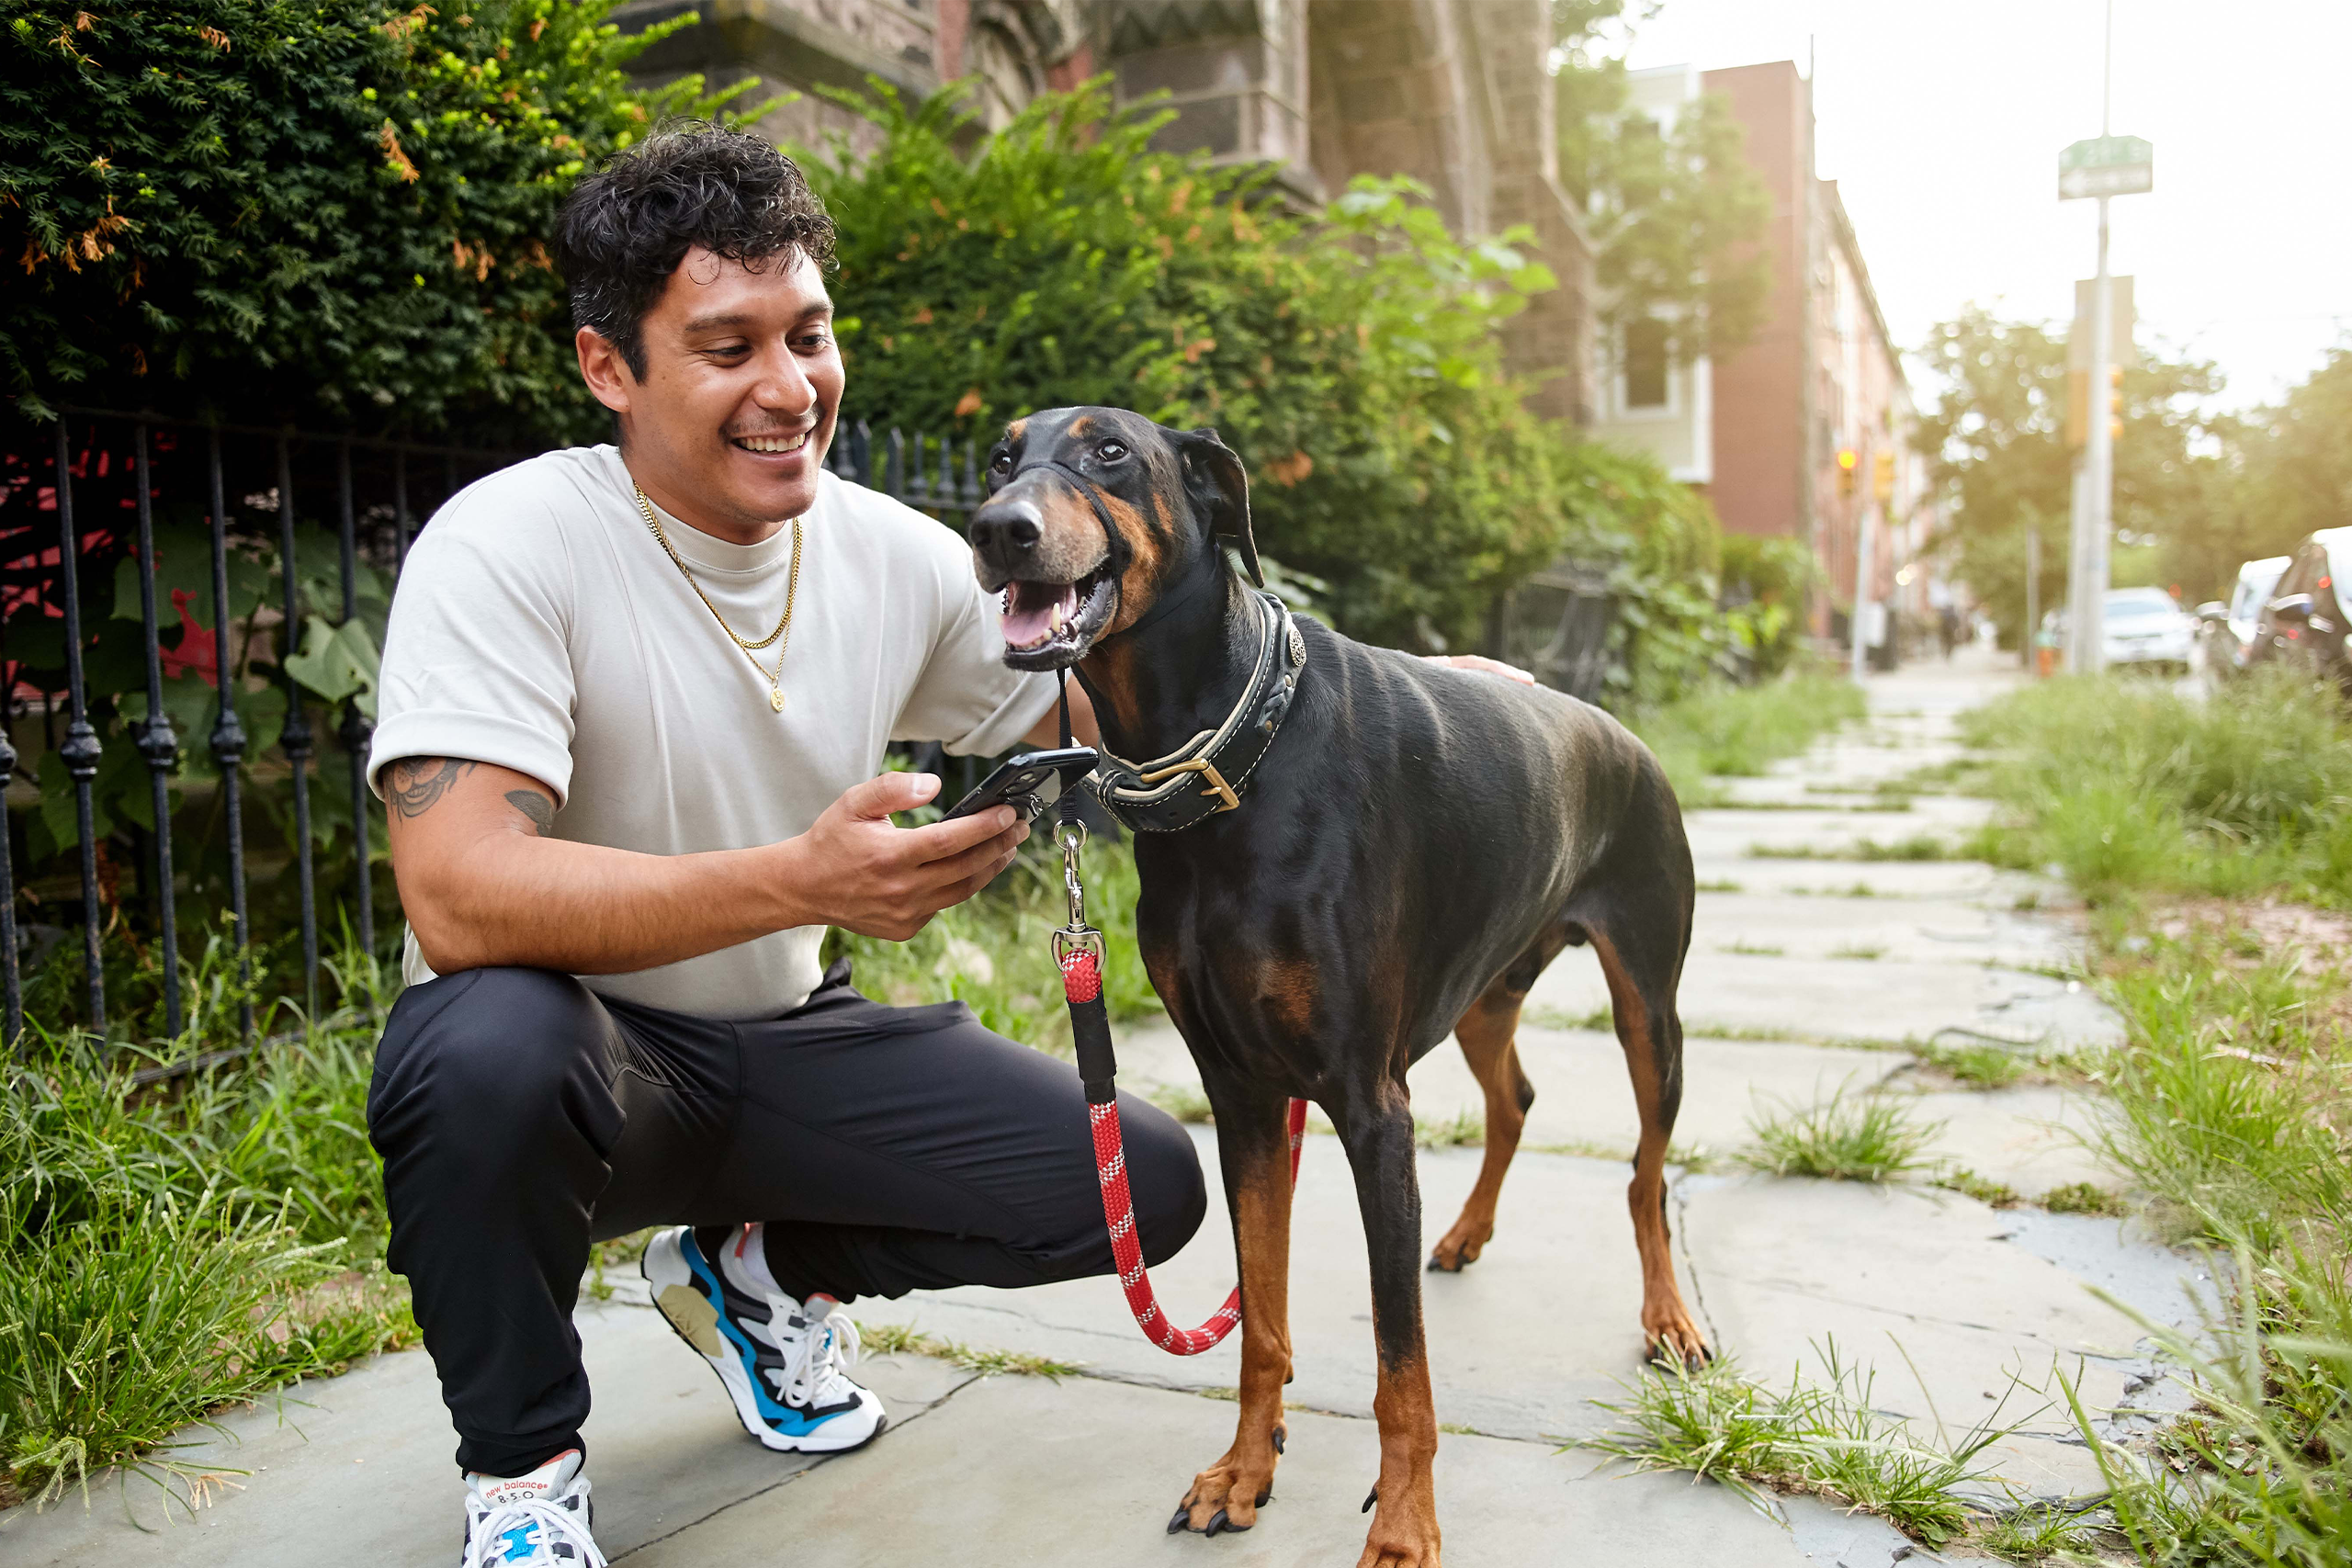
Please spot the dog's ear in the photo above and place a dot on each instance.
(1218, 487)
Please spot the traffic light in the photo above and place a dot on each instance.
(1883, 477)
(1847, 460)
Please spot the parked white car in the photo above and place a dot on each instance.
(2231, 629)
(2146, 626)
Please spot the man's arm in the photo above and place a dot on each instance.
(483, 886)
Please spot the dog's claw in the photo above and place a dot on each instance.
(1265, 1497)
(1177, 1524)
(1218, 1521)
(1370, 1498)
(1278, 1439)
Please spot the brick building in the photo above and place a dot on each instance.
(1804, 432)
(1455, 93)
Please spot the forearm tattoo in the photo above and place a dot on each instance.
(534, 805)
(420, 781)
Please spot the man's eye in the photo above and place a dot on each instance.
(1112, 451)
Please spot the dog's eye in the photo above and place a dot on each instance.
(1112, 451)
(1001, 464)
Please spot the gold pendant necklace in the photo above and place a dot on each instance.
(782, 636)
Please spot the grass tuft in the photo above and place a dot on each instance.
(903, 1339)
(1865, 951)
(1824, 1436)
(2081, 1197)
(1918, 847)
(1984, 1189)
(1464, 1127)
(1866, 1137)
(1739, 731)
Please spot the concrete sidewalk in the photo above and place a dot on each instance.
(1011, 1470)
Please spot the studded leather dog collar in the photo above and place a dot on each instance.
(1209, 774)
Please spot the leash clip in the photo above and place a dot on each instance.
(1078, 936)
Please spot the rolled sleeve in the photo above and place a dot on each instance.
(477, 660)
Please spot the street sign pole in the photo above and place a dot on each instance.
(2110, 166)
(2088, 645)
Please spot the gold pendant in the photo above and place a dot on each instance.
(776, 698)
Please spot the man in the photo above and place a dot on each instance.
(633, 702)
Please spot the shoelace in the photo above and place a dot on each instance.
(536, 1523)
(827, 1345)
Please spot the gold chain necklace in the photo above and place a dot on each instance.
(782, 632)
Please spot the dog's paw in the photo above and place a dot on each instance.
(1227, 1494)
(1674, 1340)
(1459, 1247)
(1404, 1533)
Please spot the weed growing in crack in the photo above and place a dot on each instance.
(2081, 1197)
(1186, 1102)
(1825, 1436)
(1718, 885)
(2035, 1533)
(1984, 1189)
(1979, 1065)
(1864, 1138)
(1597, 1021)
(1918, 847)
(1453, 1132)
(1865, 951)
(899, 1339)
(1753, 950)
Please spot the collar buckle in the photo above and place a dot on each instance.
(1227, 799)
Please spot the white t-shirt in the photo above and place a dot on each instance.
(539, 627)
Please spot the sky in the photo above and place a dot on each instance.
(1942, 123)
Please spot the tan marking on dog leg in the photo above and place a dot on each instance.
(1665, 1322)
(1404, 1523)
(1245, 1472)
(1489, 1035)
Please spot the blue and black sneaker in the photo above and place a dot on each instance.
(780, 1360)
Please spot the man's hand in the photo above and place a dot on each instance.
(869, 877)
(1483, 665)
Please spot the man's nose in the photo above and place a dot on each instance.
(1005, 532)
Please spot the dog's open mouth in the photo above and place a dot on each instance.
(1048, 624)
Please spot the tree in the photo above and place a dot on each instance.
(1353, 359)
(1677, 217)
(1996, 438)
(310, 212)
(2288, 473)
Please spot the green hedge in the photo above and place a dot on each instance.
(326, 213)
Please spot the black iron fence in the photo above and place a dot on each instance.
(195, 610)
(190, 619)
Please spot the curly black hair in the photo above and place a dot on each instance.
(624, 229)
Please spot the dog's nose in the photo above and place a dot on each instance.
(1007, 529)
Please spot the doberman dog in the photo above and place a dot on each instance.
(1416, 843)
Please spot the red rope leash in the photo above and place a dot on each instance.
(1082, 984)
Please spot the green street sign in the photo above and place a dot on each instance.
(2107, 166)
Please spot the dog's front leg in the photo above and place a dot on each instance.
(1377, 1128)
(1253, 1149)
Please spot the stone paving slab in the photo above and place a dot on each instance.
(1088, 1473)
(1799, 998)
(1923, 930)
(365, 1462)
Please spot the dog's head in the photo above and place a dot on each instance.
(1092, 515)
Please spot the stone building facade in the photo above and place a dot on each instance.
(1455, 93)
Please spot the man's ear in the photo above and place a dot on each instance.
(1218, 487)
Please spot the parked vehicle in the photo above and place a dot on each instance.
(2146, 627)
(2229, 629)
(2303, 623)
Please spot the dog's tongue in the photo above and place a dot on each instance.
(1034, 609)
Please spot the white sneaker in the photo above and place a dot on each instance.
(780, 1360)
(540, 1521)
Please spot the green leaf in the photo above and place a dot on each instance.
(337, 662)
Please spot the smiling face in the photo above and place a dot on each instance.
(1092, 515)
(728, 427)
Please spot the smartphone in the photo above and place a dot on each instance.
(1017, 780)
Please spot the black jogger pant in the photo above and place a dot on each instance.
(888, 1149)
